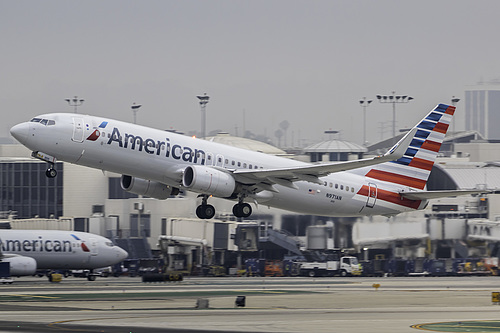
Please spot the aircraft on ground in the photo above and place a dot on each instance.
(158, 163)
(29, 250)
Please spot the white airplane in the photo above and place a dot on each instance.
(29, 250)
(157, 164)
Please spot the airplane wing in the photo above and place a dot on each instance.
(425, 195)
(311, 173)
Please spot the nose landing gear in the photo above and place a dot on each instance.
(51, 172)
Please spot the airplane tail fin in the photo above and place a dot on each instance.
(413, 169)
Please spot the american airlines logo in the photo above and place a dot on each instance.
(97, 133)
(157, 147)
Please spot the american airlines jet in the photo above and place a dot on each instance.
(29, 250)
(157, 164)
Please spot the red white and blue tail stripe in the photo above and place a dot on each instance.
(413, 169)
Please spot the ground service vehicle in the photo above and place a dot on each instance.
(343, 266)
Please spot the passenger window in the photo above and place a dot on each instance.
(341, 187)
(250, 166)
(352, 189)
(239, 164)
(336, 185)
(244, 165)
(256, 167)
(232, 163)
(325, 183)
(347, 188)
(331, 185)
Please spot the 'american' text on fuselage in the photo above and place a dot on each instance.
(152, 146)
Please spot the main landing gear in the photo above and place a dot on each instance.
(206, 211)
(242, 210)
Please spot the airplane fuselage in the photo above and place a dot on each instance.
(56, 249)
(162, 156)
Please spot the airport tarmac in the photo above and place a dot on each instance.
(272, 304)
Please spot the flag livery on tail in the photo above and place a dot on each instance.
(413, 169)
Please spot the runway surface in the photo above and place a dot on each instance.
(352, 304)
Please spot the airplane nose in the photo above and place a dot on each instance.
(121, 253)
(20, 132)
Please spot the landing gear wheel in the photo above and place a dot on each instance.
(205, 212)
(242, 210)
(51, 173)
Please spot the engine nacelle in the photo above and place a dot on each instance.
(148, 188)
(20, 265)
(208, 180)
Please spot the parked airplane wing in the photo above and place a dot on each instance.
(425, 195)
(312, 172)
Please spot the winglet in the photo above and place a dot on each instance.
(398, 150)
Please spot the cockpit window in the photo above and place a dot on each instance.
(110, 244)
(46, 122)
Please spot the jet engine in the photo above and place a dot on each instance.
(148, 188)
(20, 265)
(208, 180)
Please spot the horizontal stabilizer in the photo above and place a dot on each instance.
(426, 195)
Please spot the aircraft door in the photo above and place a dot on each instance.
(78, 125)
(372, 195)
(93, 246)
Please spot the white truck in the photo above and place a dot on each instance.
(343, 266)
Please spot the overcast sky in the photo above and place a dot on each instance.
(308, 62)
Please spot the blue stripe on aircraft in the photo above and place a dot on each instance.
(403, 160)
(103, 124)
(75, 237)
(434, 116)
(411, 152)
(422, 134)
(416, 143)
(441, 108)
(426, 125)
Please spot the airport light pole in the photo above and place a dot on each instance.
(364, 104)
(135, 108)
(75, 102)
(394, 99)
(454, 102)
(203, 103)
